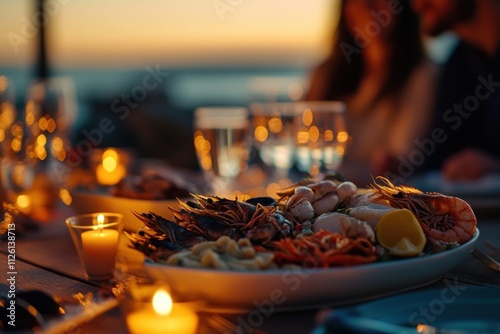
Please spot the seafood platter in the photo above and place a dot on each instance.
(320, 242)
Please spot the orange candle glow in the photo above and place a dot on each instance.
(100, 247)
(161, 315)
(111, 168)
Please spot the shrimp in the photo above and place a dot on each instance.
(443, 218)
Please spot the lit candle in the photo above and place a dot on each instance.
(99, 249)
(162, 316)
(111, 169)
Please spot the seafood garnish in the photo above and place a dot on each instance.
(443, 218)
(321, 250)
(299, 209)
(224, 253)
(370, 213)
(169, 230)
(288, 191)
(345, 190)
(208, 219)
(206, 226)
(345, 225)
(307, 201)
(155, 248)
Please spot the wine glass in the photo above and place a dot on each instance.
(35, 170)
(273, 136)
(321, 136)
(16, 169)
(50, 111)
(221, 144)
(7, 115)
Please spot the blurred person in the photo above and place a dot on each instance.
(377, 65)
(468, 99)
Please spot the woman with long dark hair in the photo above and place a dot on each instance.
(377, 65)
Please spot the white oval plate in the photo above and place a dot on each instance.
(232, 291)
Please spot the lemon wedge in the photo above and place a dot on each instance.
(400, 232)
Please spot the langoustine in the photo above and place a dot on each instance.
(443, 218)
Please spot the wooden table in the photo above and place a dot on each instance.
(47, 260)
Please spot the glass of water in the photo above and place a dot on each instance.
(221, 144)
(273, 136)
(321, 136)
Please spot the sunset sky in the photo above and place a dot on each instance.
(117, 33)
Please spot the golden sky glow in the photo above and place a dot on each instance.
(129, 32)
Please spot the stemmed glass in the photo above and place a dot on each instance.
(50, 110)
(34, 170)
(7, 115)
(321, 136)
(17, 170)
(221, 144)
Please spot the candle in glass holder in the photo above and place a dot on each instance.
(96, 238)
(161, 315)
(100, 246)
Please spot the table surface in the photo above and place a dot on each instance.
(47, 260)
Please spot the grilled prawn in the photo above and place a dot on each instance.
(443, 218)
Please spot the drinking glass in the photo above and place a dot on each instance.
(321, 137)
(273, 136)
(17, 170)
(221, 144)
(7, 115)
(34, 171)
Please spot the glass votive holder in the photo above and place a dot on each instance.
(150, 309)
(96, 237)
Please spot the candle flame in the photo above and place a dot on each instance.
(110, 159)
(162, 302)
(110, 153)
(109, 164)
(100, 222)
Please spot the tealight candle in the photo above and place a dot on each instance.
(96, 238)
(99, 249)
(161, 315)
